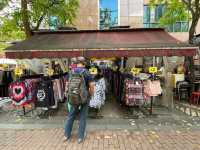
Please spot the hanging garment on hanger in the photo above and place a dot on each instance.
(133, 92)
(17, 92)
(21, 92)
(98, 98)
(1, 77)
(152, 88)
(45, 94)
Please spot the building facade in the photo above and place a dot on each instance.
(102, 14)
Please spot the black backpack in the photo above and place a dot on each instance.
(77, 89)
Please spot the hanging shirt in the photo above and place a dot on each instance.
(45, 94)
(17, 91)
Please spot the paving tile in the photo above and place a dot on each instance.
(52, 139)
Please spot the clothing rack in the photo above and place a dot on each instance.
(40, 77)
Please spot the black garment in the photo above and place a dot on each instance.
(6, 80)
(45, 94)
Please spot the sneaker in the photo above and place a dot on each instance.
(66, 139)
(80, 140)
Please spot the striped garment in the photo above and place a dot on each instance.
(133, 92)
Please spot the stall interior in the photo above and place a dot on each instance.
(121, 90)
(127, 93)
(187, 88)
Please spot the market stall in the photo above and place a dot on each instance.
(118, 43)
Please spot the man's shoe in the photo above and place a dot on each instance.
(80, 141)
(66, 139)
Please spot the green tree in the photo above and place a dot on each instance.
(32, 13)
(3, 3)
(177, 10)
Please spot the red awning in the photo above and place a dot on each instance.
(95, 43)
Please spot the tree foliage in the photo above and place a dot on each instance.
(3, 3)
(180, 10)
(33, 13)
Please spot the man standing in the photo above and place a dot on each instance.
(82, 109)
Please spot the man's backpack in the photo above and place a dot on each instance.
(77, 89)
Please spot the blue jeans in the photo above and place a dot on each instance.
(83, 111)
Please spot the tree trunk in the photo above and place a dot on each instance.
(25, 18)
(195, 20)
(189, 60)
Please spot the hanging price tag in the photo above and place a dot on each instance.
(135, 70)
(93, 70)
(18, 71)
(50, 72)
(153, 70)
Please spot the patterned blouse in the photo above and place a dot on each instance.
(98, 98)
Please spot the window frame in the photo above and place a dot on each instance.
(153, 24)
(116, 11)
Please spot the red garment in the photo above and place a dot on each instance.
(17, 91)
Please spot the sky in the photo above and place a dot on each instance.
(109, 4)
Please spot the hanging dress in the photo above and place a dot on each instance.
(98, 98)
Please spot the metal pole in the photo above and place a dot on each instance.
(152, 98)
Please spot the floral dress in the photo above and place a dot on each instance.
(98, 98)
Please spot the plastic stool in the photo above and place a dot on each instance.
(194, 99)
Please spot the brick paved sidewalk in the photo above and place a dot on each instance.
(52, 139)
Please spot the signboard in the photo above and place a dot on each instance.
(135, 70)
(153, 70)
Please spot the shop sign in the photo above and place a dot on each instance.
(135, 70)
(93, 70)
(153, 70)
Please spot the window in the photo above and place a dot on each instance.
(179, 26)
(53, 22)
(108, 13)
(152, 16)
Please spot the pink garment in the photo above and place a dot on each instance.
(152, 88)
